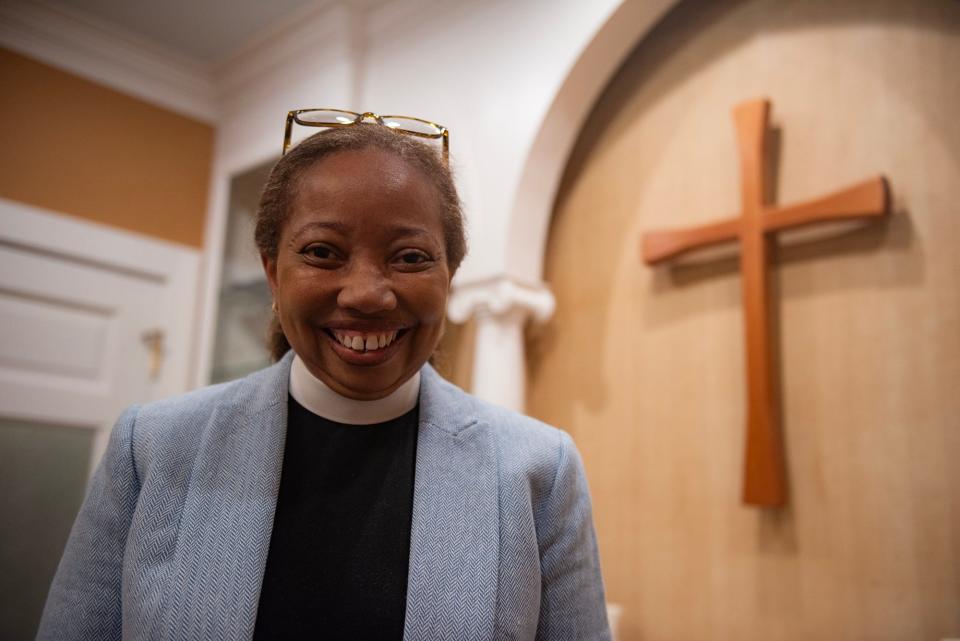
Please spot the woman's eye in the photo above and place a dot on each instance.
(321, 255)
(320, 252)
(413, 258)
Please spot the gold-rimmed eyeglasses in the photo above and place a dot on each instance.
(325, 117)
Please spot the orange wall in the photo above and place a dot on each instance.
(77, 147)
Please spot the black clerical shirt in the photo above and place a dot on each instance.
(340, 548)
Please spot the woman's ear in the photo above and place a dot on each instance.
(270, 269)
(453, 272)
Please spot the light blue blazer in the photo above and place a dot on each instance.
(172, 539)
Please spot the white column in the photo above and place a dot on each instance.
(500, 307)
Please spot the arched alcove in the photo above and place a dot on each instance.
(645, 366)
(558, 130)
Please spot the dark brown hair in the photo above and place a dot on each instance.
(281, 188)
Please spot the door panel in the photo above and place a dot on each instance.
(71, 336)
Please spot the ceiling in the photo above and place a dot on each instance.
(205, 31)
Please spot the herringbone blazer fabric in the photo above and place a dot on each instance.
(172, 539)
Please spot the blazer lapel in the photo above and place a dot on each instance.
(455, 532)
(228, 513)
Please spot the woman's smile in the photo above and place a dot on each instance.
(365, 348)
(364, 341)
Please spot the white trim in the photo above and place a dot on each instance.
(109, 55)
(176, 265)
(499, 296)
(208, 306)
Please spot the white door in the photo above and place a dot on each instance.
(92, 319)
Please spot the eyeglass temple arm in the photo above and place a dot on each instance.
(287, 131)
(446, 147)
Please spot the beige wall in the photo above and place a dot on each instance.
(645, 366)
(79, 148)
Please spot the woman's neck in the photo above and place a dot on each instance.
(314, 395)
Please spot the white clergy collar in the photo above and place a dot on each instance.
(314, 395)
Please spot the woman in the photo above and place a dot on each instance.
(346, 491)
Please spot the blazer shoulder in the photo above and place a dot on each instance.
(528, 450)
(507, 426)
(519, 430)
(174, 426)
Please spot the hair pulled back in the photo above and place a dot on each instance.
(281, 189)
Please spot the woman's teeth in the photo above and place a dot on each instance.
(364, 342)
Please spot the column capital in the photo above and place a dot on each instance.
(500, 296)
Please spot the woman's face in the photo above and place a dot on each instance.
(361, 277)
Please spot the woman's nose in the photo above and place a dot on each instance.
(366, 289)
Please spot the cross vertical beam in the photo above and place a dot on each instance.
(764, 474)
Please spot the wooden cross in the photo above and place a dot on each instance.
(764, 476)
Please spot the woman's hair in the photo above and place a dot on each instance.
(284, 181)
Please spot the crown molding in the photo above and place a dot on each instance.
(109, 55)
(386, 15)
(324, 21)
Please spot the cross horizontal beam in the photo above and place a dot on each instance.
(864, 200)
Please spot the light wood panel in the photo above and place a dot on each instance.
(453, 357)
(644, 366)
(79, 148)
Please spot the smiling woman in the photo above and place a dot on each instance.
(347, 491)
